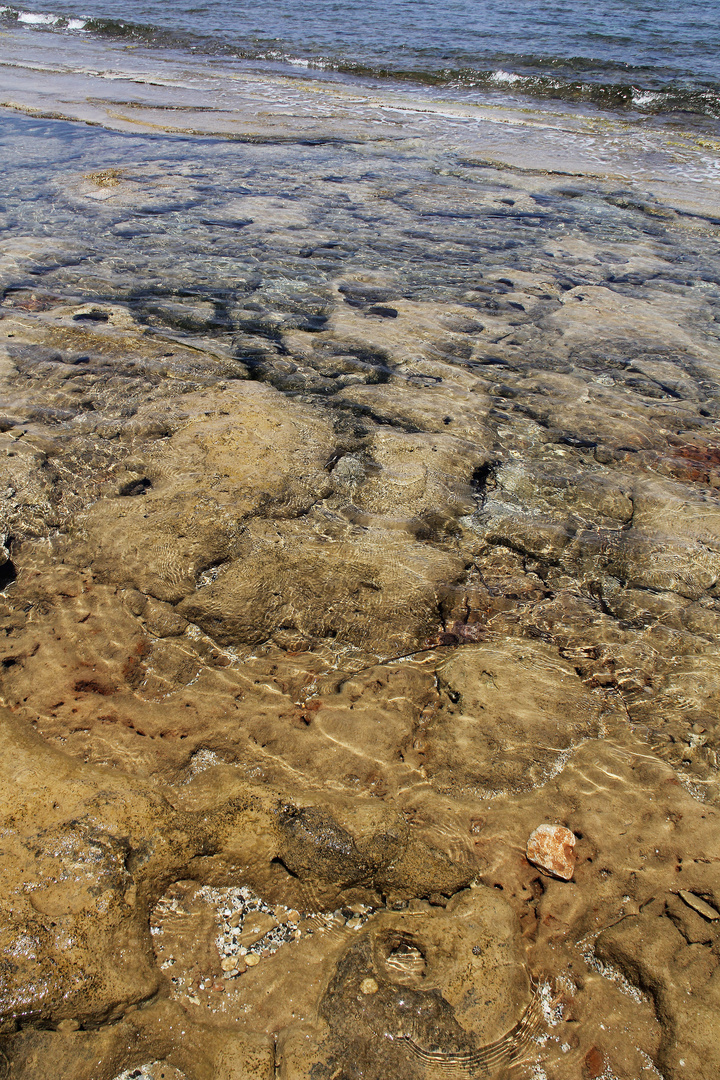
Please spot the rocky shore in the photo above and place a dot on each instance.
(340, 556)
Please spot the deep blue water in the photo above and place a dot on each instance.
(660, 54)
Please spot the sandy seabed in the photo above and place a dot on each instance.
(360, 490)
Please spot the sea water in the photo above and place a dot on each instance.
(659, 57)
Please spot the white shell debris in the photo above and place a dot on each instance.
(251, 929)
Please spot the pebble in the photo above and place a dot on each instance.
(369, 986)
(228, 963)
(698, 904)
(66, 1026)
(550, 848)
(256, 925)
(252, 960)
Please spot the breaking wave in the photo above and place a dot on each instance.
(617, 86)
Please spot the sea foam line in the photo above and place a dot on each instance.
(39, 18)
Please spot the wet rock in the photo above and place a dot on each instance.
(550, 848)
(163, 620)
(693, 927)
(166, 539)
(425, 1001)
(594, 1063)
(281, 622)
(681, 978)
(509, 711)
(140, 1045)
(64, 921)
(367, 587)
(536, 535)
(316, 848)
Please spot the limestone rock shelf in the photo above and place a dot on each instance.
(341, 553)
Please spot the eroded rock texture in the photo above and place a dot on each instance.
(325, 584)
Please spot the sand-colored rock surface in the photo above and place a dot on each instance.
(330, 574)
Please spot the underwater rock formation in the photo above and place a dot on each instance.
(324, 581)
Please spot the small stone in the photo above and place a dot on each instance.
(252, 960)
(228, 963)
(550, 848)
(354, 923)
(369, 986)
(235, 918)
(698, 904)
(68, 1026)
(257, 924)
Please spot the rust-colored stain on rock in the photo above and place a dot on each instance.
(594, 1063)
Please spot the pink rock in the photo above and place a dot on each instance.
(550, 848)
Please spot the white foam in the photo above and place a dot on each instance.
(507, 77)
(36, 18)
(644, 97)
(39, 18)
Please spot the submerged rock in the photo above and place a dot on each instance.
(318, 535)
(551, 849)
(698, 904)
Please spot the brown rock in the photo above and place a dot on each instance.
(508, 710)
(594, 1063)
(297, 637)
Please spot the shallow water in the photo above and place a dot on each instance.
(360, 470)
